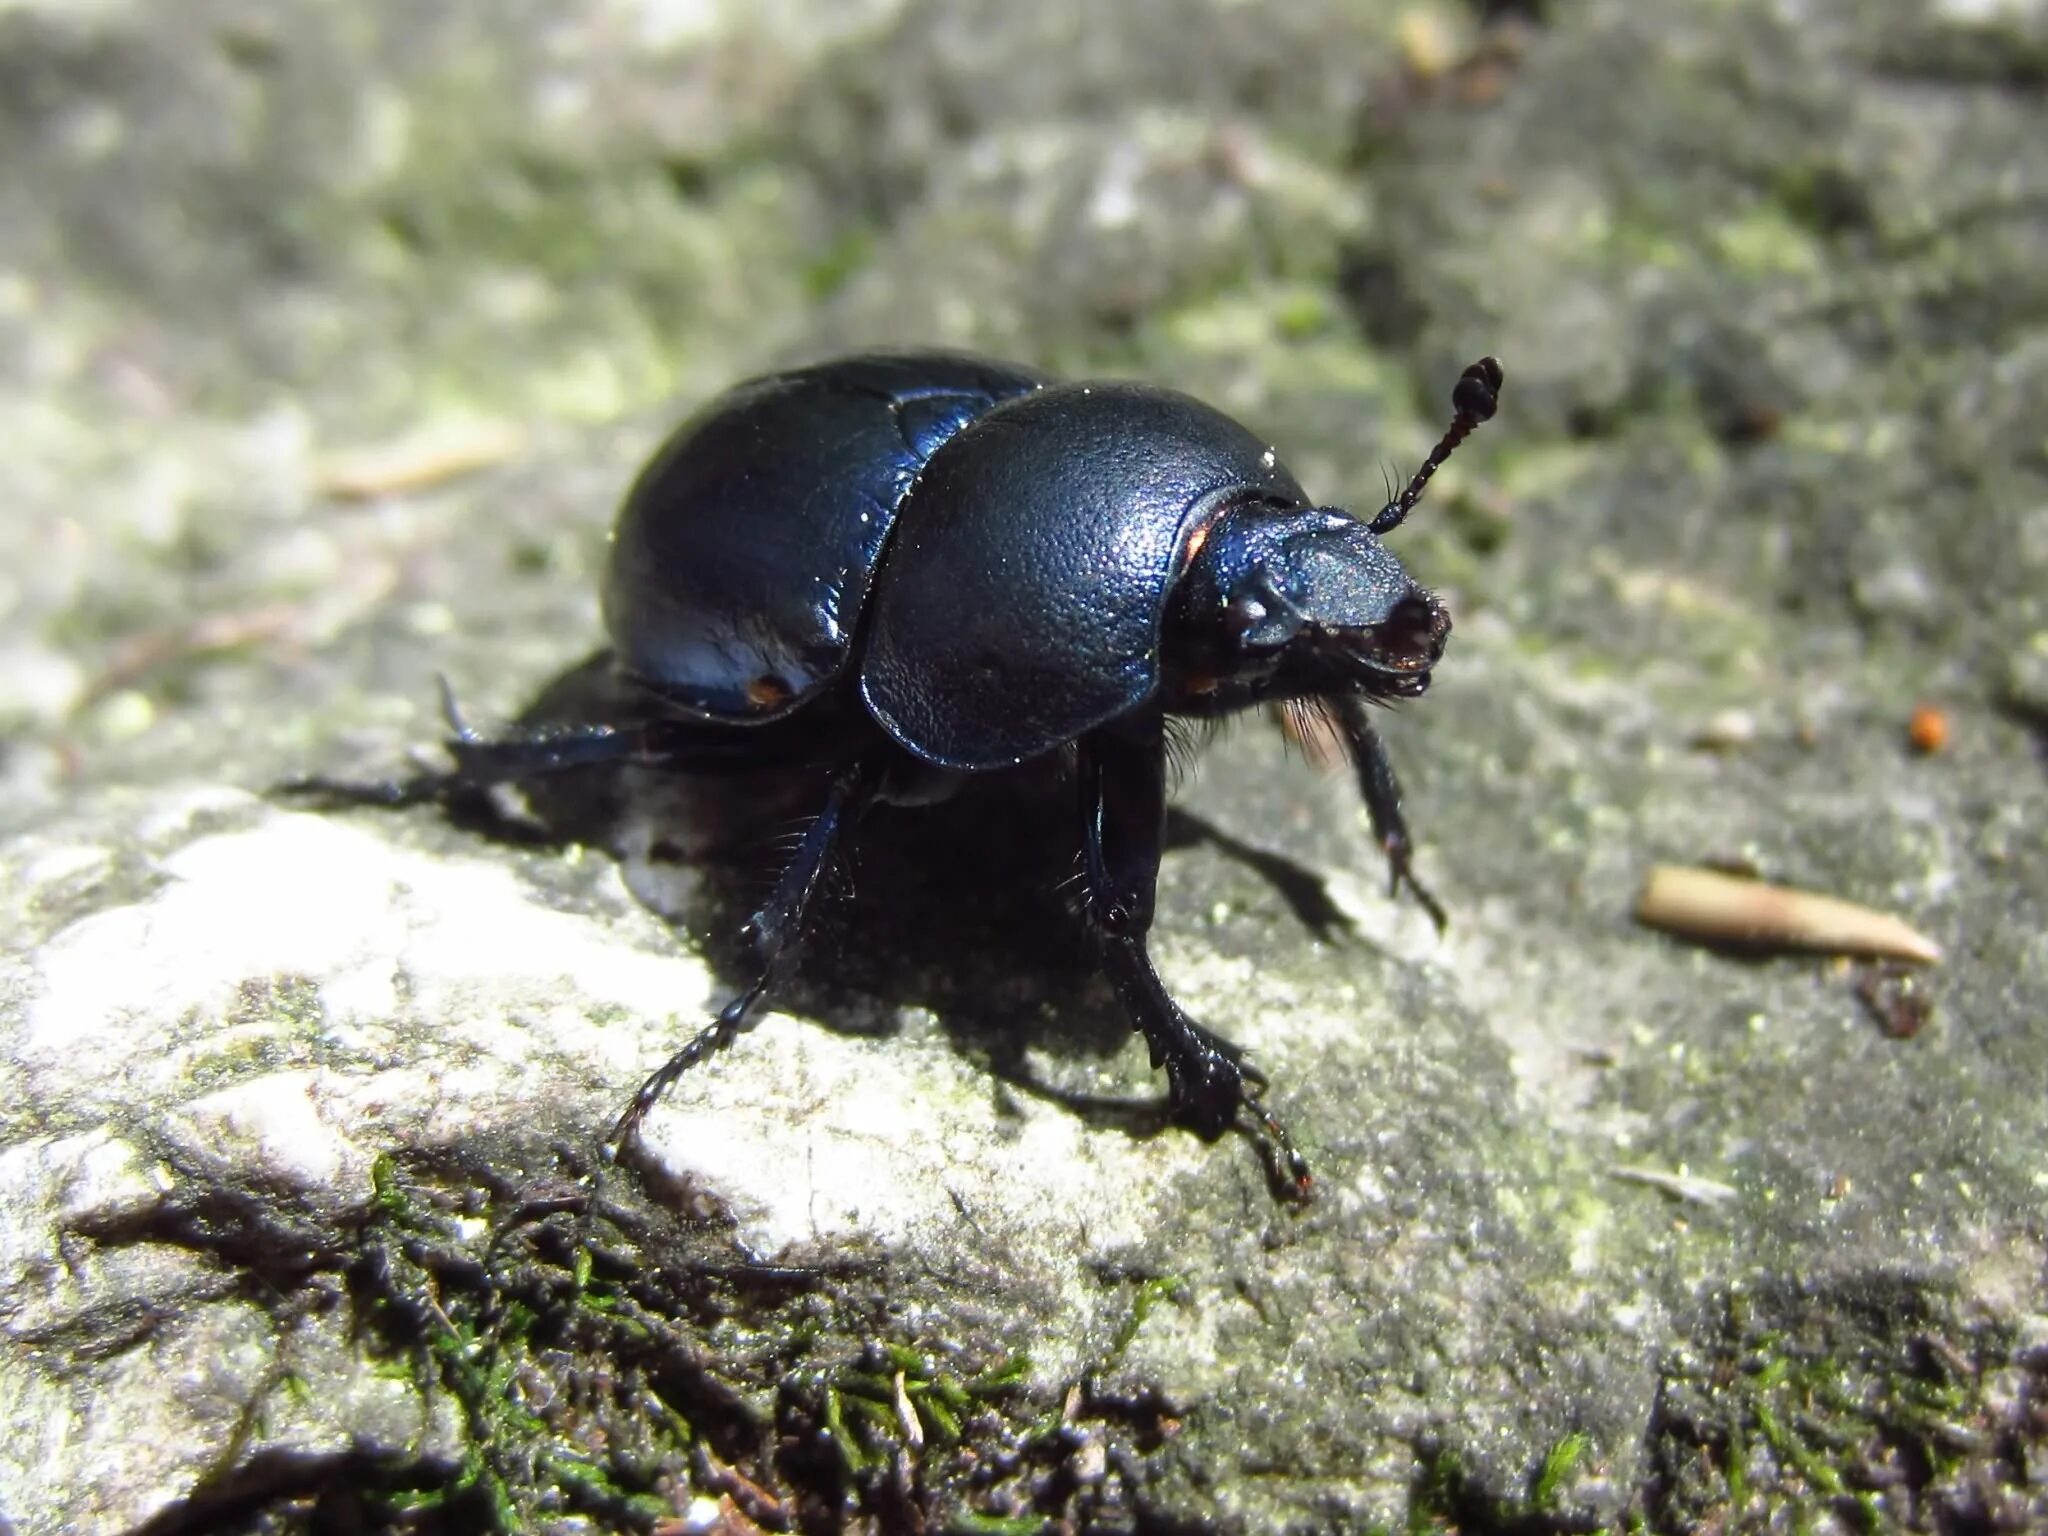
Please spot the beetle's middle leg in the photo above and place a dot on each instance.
(1122, 772)
(776, 930)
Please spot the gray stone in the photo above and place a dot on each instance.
(302, 1205)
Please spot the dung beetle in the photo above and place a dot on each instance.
(898, 570)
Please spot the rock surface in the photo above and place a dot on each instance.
(329, 336)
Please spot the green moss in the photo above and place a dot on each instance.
(1636, 233)
(971, 1524)
(1144, 1301)
(529, 278)
(523, 1341)
(1558, 1467)
(292, 1002)
(865, 1407)
(1447, 1495)
(1765, 241)
(1439, 1490)
(1304, 312)
(836, 265)
(1875, 1407)
(1295, 331)
(1009, 1373)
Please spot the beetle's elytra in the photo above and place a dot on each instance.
(917, 567)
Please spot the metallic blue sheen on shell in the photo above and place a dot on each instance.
(1021, 601)
(744, 554)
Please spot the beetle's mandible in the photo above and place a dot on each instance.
(895, 571)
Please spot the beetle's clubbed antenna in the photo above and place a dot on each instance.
(1475, 398)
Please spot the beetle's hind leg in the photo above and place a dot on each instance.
(777, 931)
(1122, 773)
(483, 761)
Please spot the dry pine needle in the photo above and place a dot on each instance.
(1718, 908)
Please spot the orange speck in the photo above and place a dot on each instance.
(1928, 729)
(767, 691)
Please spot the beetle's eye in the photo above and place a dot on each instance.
(1261, 616)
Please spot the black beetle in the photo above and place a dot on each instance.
(896, 570)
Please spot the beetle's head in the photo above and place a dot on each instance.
(1278, 603)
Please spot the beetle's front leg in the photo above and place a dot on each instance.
(1122, 771)
(1382, 794)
